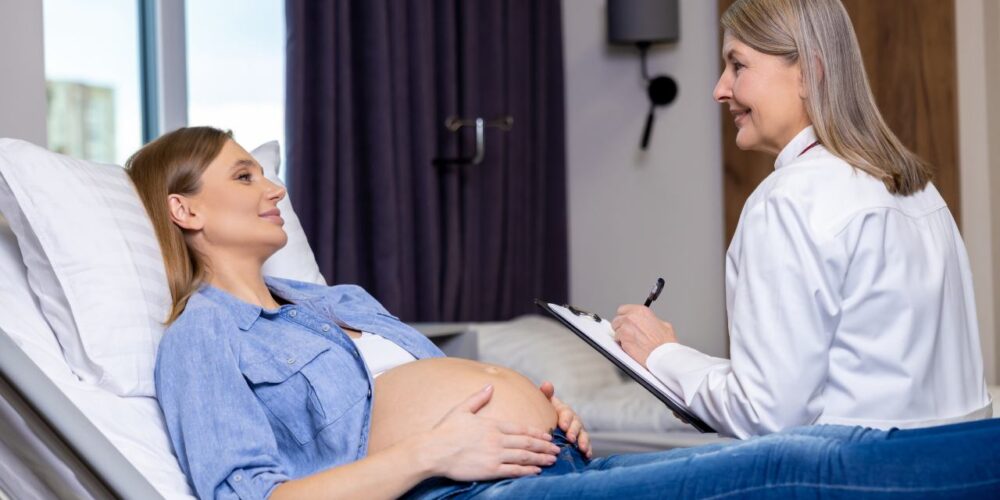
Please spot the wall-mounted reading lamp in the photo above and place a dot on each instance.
(643, 23)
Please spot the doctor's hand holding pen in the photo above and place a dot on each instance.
(639, 331)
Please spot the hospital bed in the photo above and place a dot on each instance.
(66, 433)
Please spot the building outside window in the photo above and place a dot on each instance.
(92, 75)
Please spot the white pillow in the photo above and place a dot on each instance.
(94, 262)
(89, 250)
(20, 316)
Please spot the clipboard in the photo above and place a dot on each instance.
(597, 333)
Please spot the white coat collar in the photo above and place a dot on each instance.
(794, 148)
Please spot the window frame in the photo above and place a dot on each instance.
(163, 66)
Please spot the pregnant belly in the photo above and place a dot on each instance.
(412, 398)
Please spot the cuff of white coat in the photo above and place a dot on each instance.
(672, 363)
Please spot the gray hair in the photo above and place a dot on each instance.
(818, 35)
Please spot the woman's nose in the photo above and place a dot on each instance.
(723, 89)
(275, 191)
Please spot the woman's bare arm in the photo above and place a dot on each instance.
(387, 474)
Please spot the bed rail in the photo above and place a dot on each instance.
(51, 448)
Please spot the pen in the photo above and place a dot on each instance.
(655, 291)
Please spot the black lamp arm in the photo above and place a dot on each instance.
(643, 48)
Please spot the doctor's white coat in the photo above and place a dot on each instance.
(847, 305)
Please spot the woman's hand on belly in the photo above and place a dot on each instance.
(467, 447)
(416, 397)
(569, 421)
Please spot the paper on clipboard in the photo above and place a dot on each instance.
(601, 336)
(605, 337)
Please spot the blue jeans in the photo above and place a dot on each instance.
(961, 460)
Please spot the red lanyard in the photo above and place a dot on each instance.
(808, 148)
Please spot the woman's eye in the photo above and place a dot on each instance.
(737, 66)
(244, 177)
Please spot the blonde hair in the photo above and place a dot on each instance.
(818, 35)
(173, 164)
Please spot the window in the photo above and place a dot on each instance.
(92, 75)
(236, 68)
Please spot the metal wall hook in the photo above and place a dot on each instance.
(454, 124)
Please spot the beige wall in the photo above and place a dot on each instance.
(978, 52)
(992, 44)
(22, 71)
(635, 216)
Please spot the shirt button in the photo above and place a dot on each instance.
(369, 392)
(292, 313)
(237, 477)
(291, 361)
(326, 328)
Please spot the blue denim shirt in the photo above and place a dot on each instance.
(253, 397)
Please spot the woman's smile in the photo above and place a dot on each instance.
(274, 216)
(739, 116)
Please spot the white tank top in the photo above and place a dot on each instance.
(381, 354)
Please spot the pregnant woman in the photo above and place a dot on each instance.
(274, 388)
(262, 378)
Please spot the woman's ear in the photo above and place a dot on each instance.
(181, 213)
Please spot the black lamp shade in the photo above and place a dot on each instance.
(634, 21)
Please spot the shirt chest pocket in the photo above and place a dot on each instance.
(306, 388)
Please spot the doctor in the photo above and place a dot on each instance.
(848, 286)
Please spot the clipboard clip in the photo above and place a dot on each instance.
(581, 312)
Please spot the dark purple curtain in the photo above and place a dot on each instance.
(369, 85)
